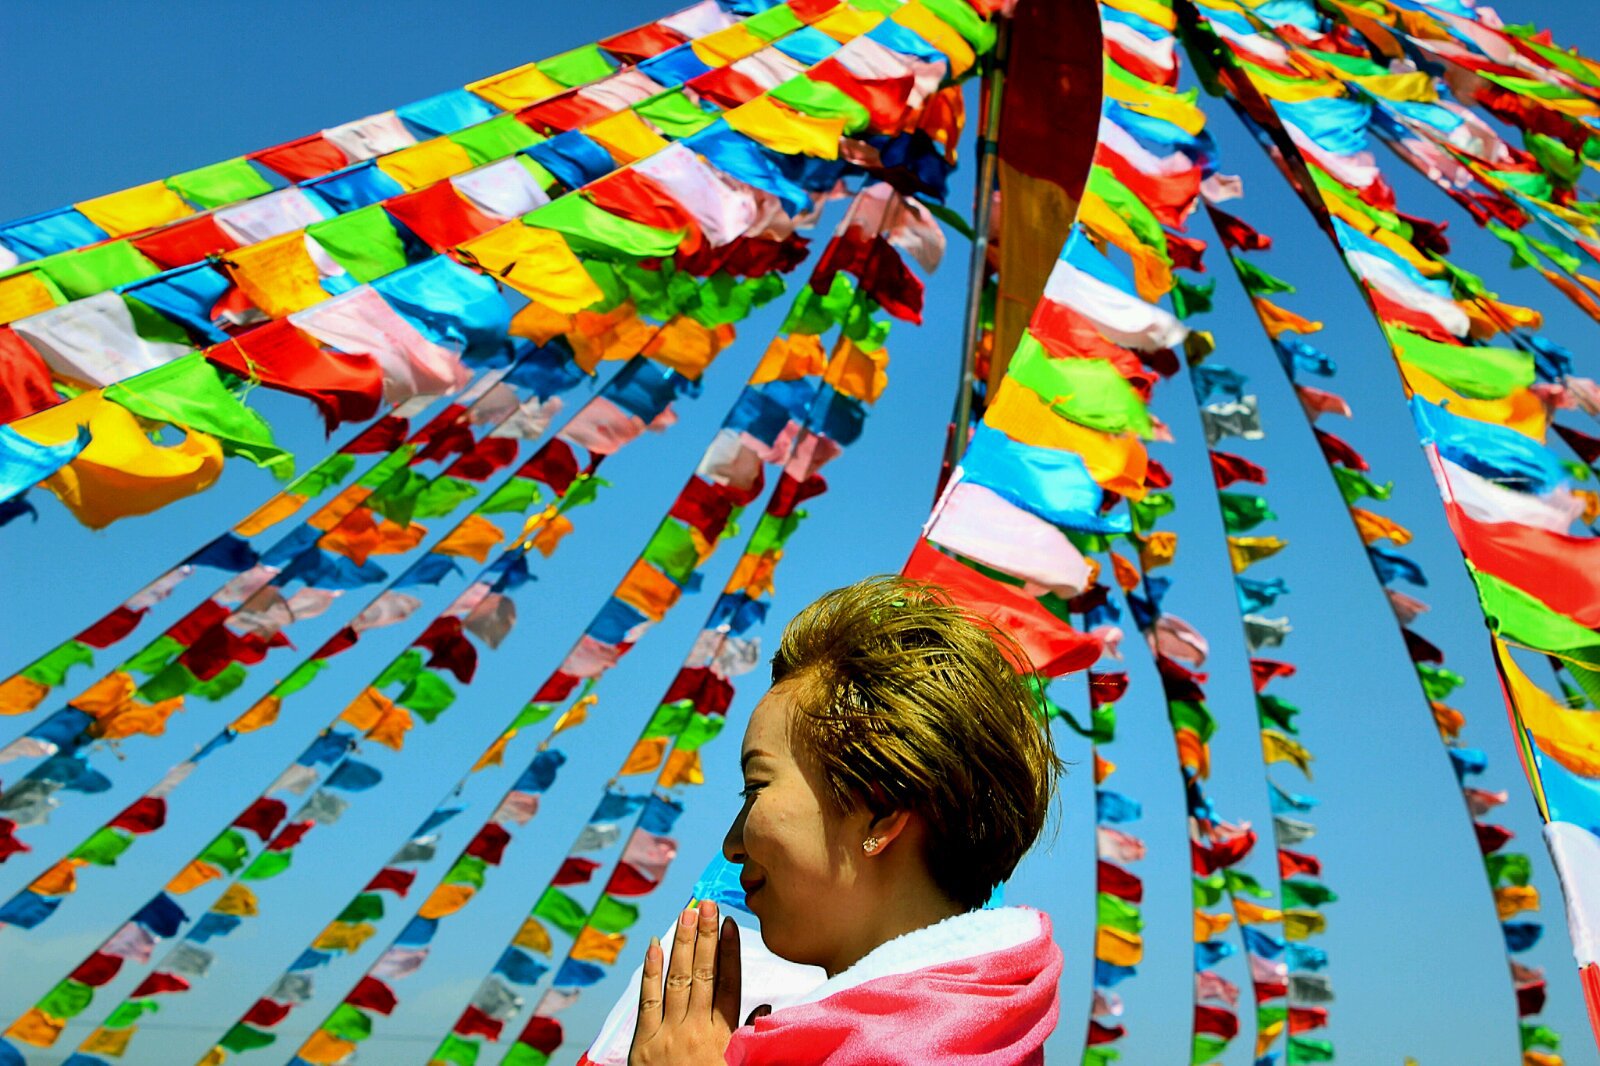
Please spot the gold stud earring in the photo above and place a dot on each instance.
(870, 845)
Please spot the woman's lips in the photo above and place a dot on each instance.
(752, 888)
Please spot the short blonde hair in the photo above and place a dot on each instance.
(909, 702)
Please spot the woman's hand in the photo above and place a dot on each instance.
(690, 1023)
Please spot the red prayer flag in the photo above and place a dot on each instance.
(384, 435)
(263, 817)
(542, 1034)
(289, 836)
(450, 648)
(631, 195)
(1053, 647)
(113, 626)
(440, 216)
(884, 98)
(186, 242)
(474, 1022)
(1239, 234)
(1491, 838)
(1114, 880)
(490, 843)
(98, 969)
(1263, 671)
(642, 43)
(883, 275)
(159, 984)
(628, 880)
(554, 464)
(9, 844)
(1305, 1019)
(372, 994)
(266, 1013)
(1107, 688)
(308, 157)
(704, 506)
(1291, 863)
(1104, 1034)
(712, 694)
(1216, 1021)
(390, 879)
(1340, 452)
(144, 815)
(1228, 468)
(575, 871)
(202, 617)
(726, 86)
(1562, 571)
(559, 114)
(345, 388)
(25, 380)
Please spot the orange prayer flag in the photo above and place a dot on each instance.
(686, 346)
(445, 900)
(19, 695)
(648, 590)
(1279, 320)
(1207, 926)
(238, 900)
(789, 358)
(60, 880)
(1375, 527)
(594, 946)
(192, 876)
(324, 1049)
(473, 538)
(861, 374)
(646, 755)
(37, 1028)
(533, 937)
(682, 768)
(270, 514)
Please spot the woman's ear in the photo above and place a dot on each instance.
(883, 829)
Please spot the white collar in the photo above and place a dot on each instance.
(959, 937)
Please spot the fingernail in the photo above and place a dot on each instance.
(686, 919)
(708, 909)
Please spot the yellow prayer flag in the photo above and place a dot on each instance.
(1571, 738)
(1117, 463)
(495, 754)
(1207, 926)
(22, 295)
(1159, 549)
(646, 755)
(59, 880)
(1511, 900)
(277, 274)
(192, 876)
(1244, 552)
(424, 164)
(215, 1057)
(473, 538)
(19, 695)
(789, 358)
(112, 1042)
(515, 89)
(1522, 410)
(1252, 913)
(344, 936)
(537, 263)
(1276, 747)
(1152, 274)
(1374, 527)
(1152, 10)
(263, 713)
(625, 136)
(845, 23)
(533, 937)
(1267, 1035)
(238, 900)
(135, 209)
(270, 514)
(726, 46)
(37, 1028)
(769, 123)
(446, 900)
(367, 709)
(682, 768)
(324, 1049)
(686, 346)
(1303, 924)
(861, 374)
(574, 716)
(1118, 948)
(1278, 320)
(594, 946)
(120, 473)
(1540, 1058)
(1415, 87)
(917, 18)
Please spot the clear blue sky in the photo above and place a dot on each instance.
(103, 96)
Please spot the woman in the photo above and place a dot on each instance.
(895, 773)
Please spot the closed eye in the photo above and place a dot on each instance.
(751, 789)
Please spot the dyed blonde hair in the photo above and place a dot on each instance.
(910, 703)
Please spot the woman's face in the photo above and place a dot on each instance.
(799, 852)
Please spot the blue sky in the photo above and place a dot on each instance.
(101, 97)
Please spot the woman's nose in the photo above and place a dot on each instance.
(733, 841)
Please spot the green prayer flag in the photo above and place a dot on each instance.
(406, 665)
(1516, 616)
(1100, 1055)
(222, 685)
(1258, 282)
(560, 910)
(443, 495)
(1206, 1048)
(701, 730)
(1437, 682)
(455, 1050)
(348, 1023)
(1191, 298)
(366, 907)
(327, 474)
(267, 865)
(1277, 710)
(130, 1011)
(541, 177)
(1540, 1036)
(1208, 890)
(495, 139)
(1481, 372)
(67, 1000)
(611, 915)
(773, 23)
(427, 695)
(723, 299)
(189, 392)
(1512, 867)
(1555, 158)
(299, 678)
(1089, 392)
(365, 242)
(153, 657)
(669, 719)
(1102, 727)
(1238, 881)
(51, 667)
(152, 325)
(220, 184)
(523, 1055)
(1353, 485)
(772, 532)
(1114, 913)
(672, 550)
(228, 850)
(814, 314)
(1298, 893)
(1266, 1016)
(961, 17)
(674, 114)
(533, 714)
(514, 497)
(1304, 1049)
(468, 870)
(1121, 199)
(396, 500)
(582, 491)
(589, 228)
(1242, 512)
(822, 100)
(1148, 511)
(88, 271)
(379, 475)
(103, 847)
(577, 66)
(175, 679)
(242, 1038)
(1194, 715)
